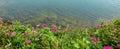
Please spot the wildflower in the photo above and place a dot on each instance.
(25, 33)
(34, 33)
(106, 47)
(10, 28)
(63, 28)
(27, 41)
(93, 39)
(1, 27)
(97, 27)
(53, 29)
(11, 34)
(117, 46)
(44, 25)
(108, 20)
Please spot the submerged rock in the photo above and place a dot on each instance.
(5, 20)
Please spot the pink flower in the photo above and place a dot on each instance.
(106, 47)
(63, 28)
(10, 28)
(11, 34)
(97, 27)
(34, 31)
(1, 27)
(27, 41)
(108, 20)
(44, 25)
(93, 39)
(25, 33)
(53, 29)
(117, 46)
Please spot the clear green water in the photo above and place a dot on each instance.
(76, 12)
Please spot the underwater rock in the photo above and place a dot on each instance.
(5, 20)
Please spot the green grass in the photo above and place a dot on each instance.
(12, 36)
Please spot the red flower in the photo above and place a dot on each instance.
(93, 39)
(44, 25)
(53, 29)
(25, 33)
(27, 41)
(106, 47)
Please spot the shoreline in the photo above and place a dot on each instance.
(58, 24)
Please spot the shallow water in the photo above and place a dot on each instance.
(76, 12)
